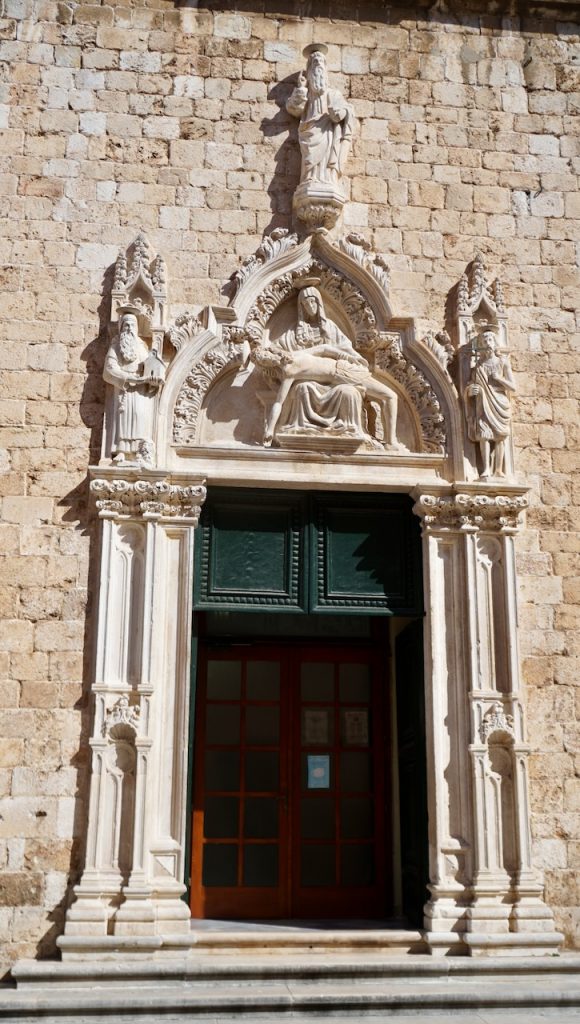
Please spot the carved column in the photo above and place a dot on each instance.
(133, 879)
(485, 894)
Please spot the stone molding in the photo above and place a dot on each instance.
(117, 497)
(471, 511)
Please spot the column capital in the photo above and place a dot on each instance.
(470, 508)
(132, 494)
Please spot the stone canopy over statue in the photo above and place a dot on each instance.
(326, 125)
(326, 395)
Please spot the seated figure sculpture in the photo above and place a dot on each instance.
(324, 385)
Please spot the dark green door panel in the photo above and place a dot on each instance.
(317, 552)
(366, 555)
(250, 552)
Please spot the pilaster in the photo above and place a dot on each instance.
(133, 879)
(485, 895)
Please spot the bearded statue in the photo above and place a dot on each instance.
(136, 374)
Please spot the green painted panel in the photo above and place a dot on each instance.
(318, 552)
(366, 555)
(249, 552)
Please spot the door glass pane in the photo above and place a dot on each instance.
(317, 819)
(220, 864)
(355, 773)
(357, 865)
(317, 727)
(354, 682)
(261, 818)
(262, 725)
(222, 724)
(317, 680)
(354, 727)
(262, 771)
(356, 818)
(220, 819)
(260, 864)
(317, 865)
(222, 770)
(263, 680)
(224, 680)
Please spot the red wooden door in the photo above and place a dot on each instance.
(289, 801)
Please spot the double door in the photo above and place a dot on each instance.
(291, 757)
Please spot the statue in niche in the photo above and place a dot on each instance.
(137, 374)
(487, 399)
(324, 386)
(326, 125)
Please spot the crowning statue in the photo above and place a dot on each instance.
(326, 124)
(324, 386)
(488, 405)
(136, 374)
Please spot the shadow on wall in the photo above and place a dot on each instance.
(436, 12)
(78, 515)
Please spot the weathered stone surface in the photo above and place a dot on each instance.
(122, 116)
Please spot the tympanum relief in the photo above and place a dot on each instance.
(325, 394)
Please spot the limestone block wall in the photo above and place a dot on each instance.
(122, 115)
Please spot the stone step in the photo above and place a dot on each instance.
(261, 987)
(264, 968)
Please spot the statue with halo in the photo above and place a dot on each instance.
(325, 389)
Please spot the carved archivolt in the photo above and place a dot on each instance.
(416, 387)
(226, 355)
(453, 511)
(158, 498)
(184, 330)
(384, 349)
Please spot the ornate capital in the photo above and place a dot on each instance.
(148, 498)
(122, 714)
(497, 722)
(471, 511)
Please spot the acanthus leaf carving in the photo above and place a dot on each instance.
(184, 330)
(280, 240)
(357, 247)
(439, 343)
(390, 358)
(122, 714)
(471, 511)
(497, 722)
(155, 498)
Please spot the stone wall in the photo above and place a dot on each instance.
(126, 115)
